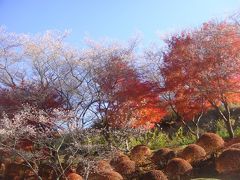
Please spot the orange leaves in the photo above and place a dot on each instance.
(148, 116)
(202, 66)
(130, 102)
(139, 105)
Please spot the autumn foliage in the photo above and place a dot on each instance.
(63, 105)
(201, 71)
(130, 101)
(197, 71)
(13, 99)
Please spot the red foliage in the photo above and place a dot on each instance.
(13, 99)
(130, 101)
(201, 69)
(179, 73)
(25, 144)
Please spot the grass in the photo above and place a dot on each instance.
(156, 140)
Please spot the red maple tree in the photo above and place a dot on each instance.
(204, 65)
(129, 101)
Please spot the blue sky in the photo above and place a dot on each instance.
(108, 18)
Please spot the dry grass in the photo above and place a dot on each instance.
(106, 175)
(74, 176)
(162, 156)
(126, 167)
(178, 166)
(210, 142)
(139, 153)
(193, 153)
(154, 175)
(228, 161)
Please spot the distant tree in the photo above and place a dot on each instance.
(54, 63)
(11, 56)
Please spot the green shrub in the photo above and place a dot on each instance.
(221, 129)
(237, 131)
(180, 138)
(156, 139)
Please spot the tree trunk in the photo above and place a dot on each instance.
(228, 120)
(127, 145)
(107, 136)
(226, 117)
(197, 133)
(229, 128)
(194, 132)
